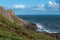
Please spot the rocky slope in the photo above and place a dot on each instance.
(14, 28)
(9, 14)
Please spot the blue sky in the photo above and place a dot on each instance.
(34, 6)
(26, 2)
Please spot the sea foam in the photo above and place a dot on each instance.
(42, 29)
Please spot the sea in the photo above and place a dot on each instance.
(45, 23)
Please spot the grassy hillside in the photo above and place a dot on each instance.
(11, 31)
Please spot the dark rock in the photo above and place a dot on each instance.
(31, 26)
(55, 35)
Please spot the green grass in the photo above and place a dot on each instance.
(11, 31)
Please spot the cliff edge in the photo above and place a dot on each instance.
(9, 14)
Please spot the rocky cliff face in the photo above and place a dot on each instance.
(6, 13)
(9, 14)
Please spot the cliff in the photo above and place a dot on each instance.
(15, 28)
(9, 14)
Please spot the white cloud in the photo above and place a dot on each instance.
(40, 7)
(19, 6)
(53, 4)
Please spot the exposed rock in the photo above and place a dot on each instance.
(9, 14)
(6, 13)
(56, 35)
(31, 26)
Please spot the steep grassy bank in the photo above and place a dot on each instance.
(11, 31)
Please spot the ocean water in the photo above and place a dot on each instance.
(45, 23)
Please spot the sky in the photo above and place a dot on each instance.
(25, 2)
(32, 7)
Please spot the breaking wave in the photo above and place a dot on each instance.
(42, 29)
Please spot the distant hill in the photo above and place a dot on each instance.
(15, 28)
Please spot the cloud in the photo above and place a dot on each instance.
(40, 7)
(50, 6)
(19, 6)
(53, 4)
